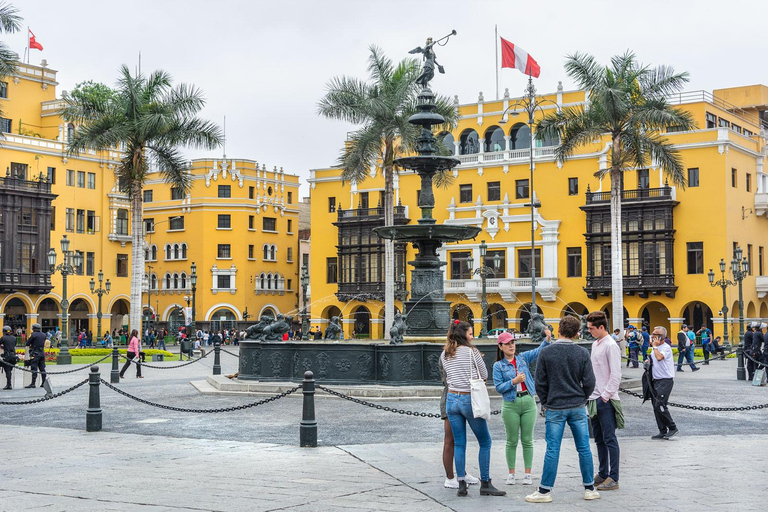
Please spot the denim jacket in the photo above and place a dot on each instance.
(504, 372)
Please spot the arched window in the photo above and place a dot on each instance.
(266, 252)
(279, 282)
(167, 252)
(520, 136)
(469, 142)
(121, 223)
(153, 281)
(70, 132)
(269, 281)
(183, 251)
(263, 279)
(153, 252)
(175, 281)
(175, 251)
(146, 254)
(273, 252)
(546, 142)
(494, 139)
(184, 280)
(446, 139)
(167, 281)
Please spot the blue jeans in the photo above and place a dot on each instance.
(687, 355)
(459, 410)
(604, 429)
(555, 426)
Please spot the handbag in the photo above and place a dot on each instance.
(481, 402)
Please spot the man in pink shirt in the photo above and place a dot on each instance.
(606, 365)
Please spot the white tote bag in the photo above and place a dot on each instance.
(481, 402)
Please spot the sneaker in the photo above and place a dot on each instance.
(510, 479)
(671, 433)
(471, 480)
(609, 485)
(451, 483)
(599, 479)
(660, 435)
(680, 370)
(592, 495)
(538, 497)
(527, 479)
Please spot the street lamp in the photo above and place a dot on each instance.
(740, 270)
(71, 262)
(483, 272)
(100, 292)
(304, 319)
(193, 282)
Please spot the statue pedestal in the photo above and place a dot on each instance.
(424, 339)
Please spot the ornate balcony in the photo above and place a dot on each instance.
(508, 288)
(643, 286)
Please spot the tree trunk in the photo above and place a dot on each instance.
(137, 256)
(617, 274)
(389, 245)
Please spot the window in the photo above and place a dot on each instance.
(573, 186)
(90, 221)
(224, 281)
(148, 196)
(89, 259)
(69, 221)
(290, 285)
(364, 204)
(225, 221)
(183, 251)
(643, 178)
(224, 251)
(693, 177)
(121, 224)
(250, 252)
(28, 217)
(760, 261)
(290, 197)
(250, 192)
(305, 260)
(465, 193)
(3, 89)
(250, 221)
(92, 180)
(573, 255)
(27, 257)
(290, 226)
(53, 219)
(225, 190)
(491, 259)
(736, 128)
(723, 123)
(524, 262)
(521, 189)
(70, 132)
(331, 270)
(331, 205)
(733, 178)
(80, 179)
(749, 258)
(122, 265)
(70, 178)
(711, 120)
(735, 246)
(79, 270)
(5, 125)
(176, 193)
(494, 191)
(52, 175)
(19, 170)
(461, 265)
(269, 224)
(289, 255)
(149, 226)
(748, 179)
(695, 257)
(81, 221)
(176, 223)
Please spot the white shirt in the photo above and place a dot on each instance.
(664, 369)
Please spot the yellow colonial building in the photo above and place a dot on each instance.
(239, 224)
(672, 236)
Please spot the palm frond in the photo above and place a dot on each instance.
(10, 21)
(195, 132)
(346, 99)
(443, 179)
(584, 69)
(8, 60)
(662, 81)
(173, 167)
(363, 149)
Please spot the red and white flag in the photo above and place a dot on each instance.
(33, 44)
(513, 56)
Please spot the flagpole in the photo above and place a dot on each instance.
(27, 45)
(496, 47)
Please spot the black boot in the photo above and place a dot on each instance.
(462, 488)
(487, 489)
(30, 386)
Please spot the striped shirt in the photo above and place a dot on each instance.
(460, 368)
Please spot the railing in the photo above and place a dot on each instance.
(638, 194)
(12, 182)
(12, 281)
(643, 282)
(493, 285)
(697, 96)
(368, 212)
(513, 154)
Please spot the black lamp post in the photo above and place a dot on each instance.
(740, 270)
(71, 262)
(483, 272)
(193, 282)
(100, 292)
(304, 319)
(723, 283)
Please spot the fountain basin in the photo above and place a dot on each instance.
(416, 233)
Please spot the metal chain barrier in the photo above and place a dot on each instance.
(46, 397)
(202, 411)
(703, 407)
(46, 372)
(228, 352)
(759, 364)
(146, 365)
(721, 357)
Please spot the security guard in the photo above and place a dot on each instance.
(8, 342)
(36, 344)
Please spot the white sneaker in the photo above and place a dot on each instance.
(591, 495)
(537, 497)
(451, 483)
(471, 480)
(510, 479)
(527, 479)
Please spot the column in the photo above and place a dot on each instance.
(31, 319)
(637, 322)
(675, 325)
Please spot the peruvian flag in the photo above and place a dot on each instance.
(33, 44)
(515, 57)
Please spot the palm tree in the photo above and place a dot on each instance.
(10, 22)
(150, 118)
(626, 101)
(382, 105)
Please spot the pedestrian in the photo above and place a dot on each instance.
(646, 342)
(514, 382)
(58, 337)
(663, 372)
(461, 361)
(161, 340)
(36, 344)
(605, 403)
(757, 345)
(707, 342)
(9, 356)
(564, 380)
(89, 338)
(285, 336)
(685, 349)
(134, 348)
(318, 333)
(633, 342)
(106, 341)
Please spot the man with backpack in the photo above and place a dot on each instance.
(685, 349)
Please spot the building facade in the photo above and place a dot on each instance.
(672, 235)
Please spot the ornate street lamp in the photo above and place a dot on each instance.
(71, 262)
(193, 282)
(740, 270)
(483, 272)
(100, 292)
(304, 319)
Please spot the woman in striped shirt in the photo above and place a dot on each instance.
(459, 359)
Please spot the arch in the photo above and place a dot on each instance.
(469, 142)
(176, 319)
(546, 141)
(494, 139)
(330, 312)
(183, 251)
(520, 136)
(447, 140)
(78, 315)
(362, 319)
(176, 251)
(273, 252)
(763, 311)
(697, 313)
(153, 252)
(263, 281)
(168, 252)
(170, 309)
(463, 312)
(608, 308)
(497, 317)
(48, 313)
(167, 280)
(574, 309)
(224, 305)
(25, 299)
(269, 310)
(654, 313)
(16, 311)
(153, 281)
(175, 281)
(266, 254)
(183, 278)
(524, 314)
(751, 310)
(120, 311)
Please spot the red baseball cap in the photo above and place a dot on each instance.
(505, 337)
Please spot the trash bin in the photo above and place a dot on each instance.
(158, 357)
(185, 346)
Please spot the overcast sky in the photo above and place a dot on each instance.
(265, 64)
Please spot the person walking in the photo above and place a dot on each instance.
(707, 343)
(749, 336)
(9, 356)
(757, 345)
(36, 344)
(646, 342)
(134, 348)
(514, 382)
(633, 341)
(685, 349)
(663, 372)
(564, 380)
(461, 361)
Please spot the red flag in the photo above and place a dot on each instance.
(33, 44)
(515, 57)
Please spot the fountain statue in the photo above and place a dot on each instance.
(397, 330)
(333, 330)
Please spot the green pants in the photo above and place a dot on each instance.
(519, 419)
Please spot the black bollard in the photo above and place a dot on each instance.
(217, 358)
(114, 377)
(93, 414)
(308, 428)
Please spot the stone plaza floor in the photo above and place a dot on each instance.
(147, 458)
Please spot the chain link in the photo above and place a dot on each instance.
(202, 411)
(146, 365)
(47, 397)
(230, 353)
(703, 407)
(759, 364)
(46, 372)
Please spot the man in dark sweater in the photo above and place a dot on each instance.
(564, 381)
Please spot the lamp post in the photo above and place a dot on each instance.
(723, 283)
(740, 270)
(100, 292)
(483, 272)
(193, 282)
(71, 261)
(304, 319)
